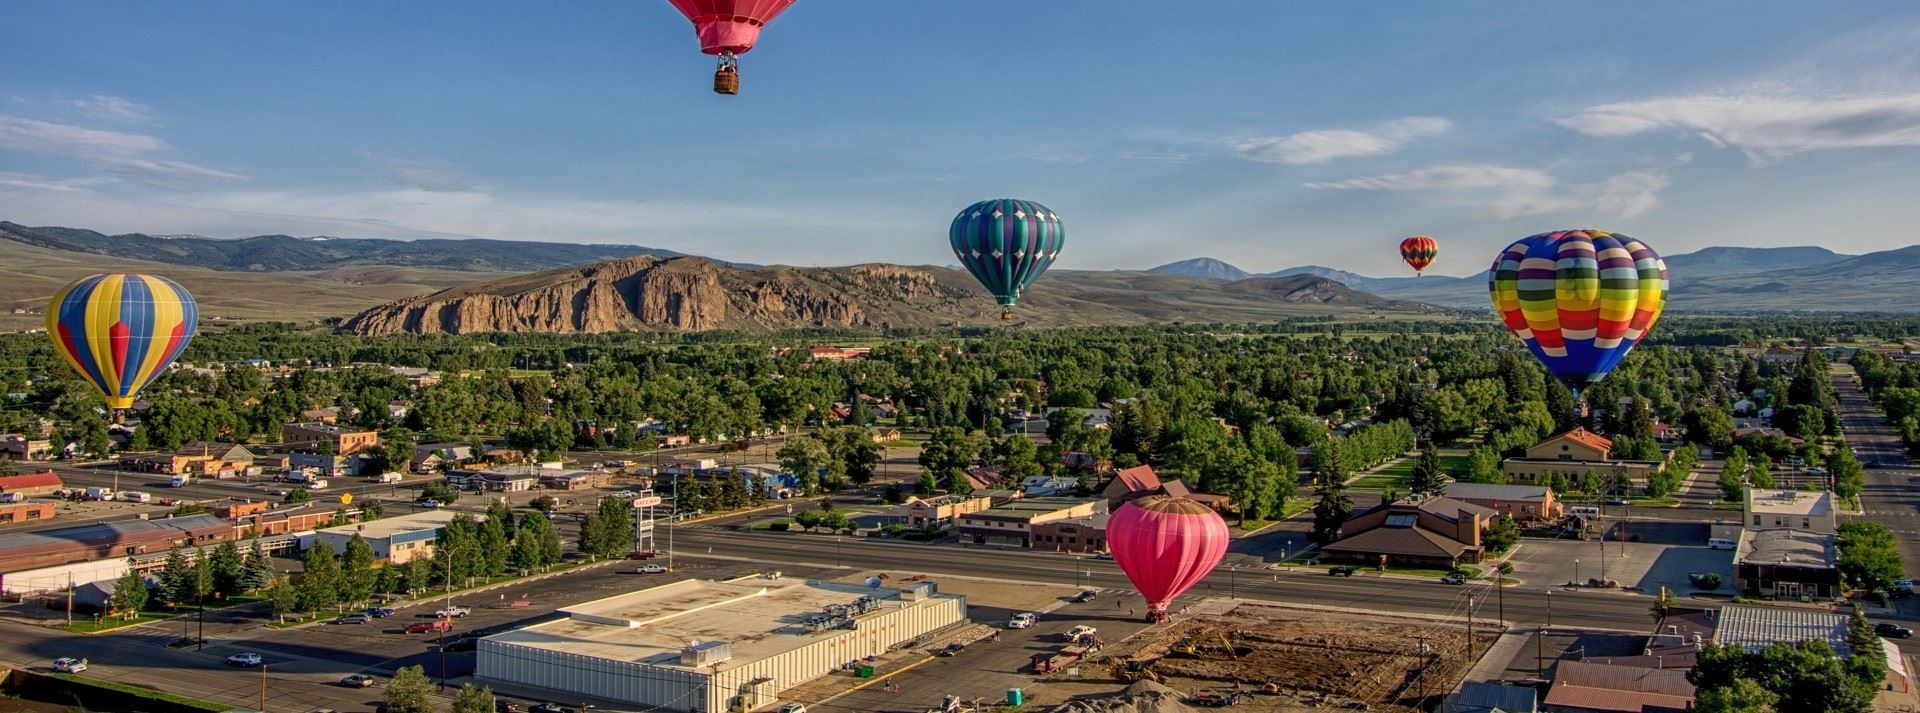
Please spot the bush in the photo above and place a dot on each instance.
(780, 526)
(1710, 581)
(895, 530)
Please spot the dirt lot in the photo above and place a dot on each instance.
(1311, 658)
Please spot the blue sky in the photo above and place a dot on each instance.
(1265, 133)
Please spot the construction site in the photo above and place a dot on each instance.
(1262, 657)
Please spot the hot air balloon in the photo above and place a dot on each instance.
(120, 331)
(1166, 545)
(1579, 299)
(1419, 251)
(1007, 244)
(728, 29)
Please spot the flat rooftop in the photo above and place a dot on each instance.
(1753, 628)
(1780, 546)
(1036, 506)
(1790, 502)
(758, 618)
(390, 526)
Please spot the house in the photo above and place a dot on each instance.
(206, 459)
(428, 457)
(1782, 356)
(1783, 562)
(19, 447)
(1075, 534)
(1584, 687)
(1129, 483)
(883, 434)
(940, 511)
(1753, 433)
(675, 440)
(345, 441)
(1520, 502)
(573, 480)
(327, 415)
(1572, 455)
(31, 484)
(1491, 697)
(985, 477)
(1743, 406)
(1179, 489)
(830, 353)
(1012, 523)
(1084, 462)
(1039, 485)
(1434, 532)
(1804, 510)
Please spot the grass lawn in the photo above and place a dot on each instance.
(1408, 571)
(88, 626)
(142, 692)
(1295, 506)
(1396, 475)
(1662, 502)
(1728, 505)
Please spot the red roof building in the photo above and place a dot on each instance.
(1130, 483)
(44, 483)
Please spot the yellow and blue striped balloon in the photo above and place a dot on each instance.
(121, 330)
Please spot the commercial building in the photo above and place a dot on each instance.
(709, 646)
(493, 481)
(1520, 502)
(1078, 534)
(323, 465)
(940, 511)
(1755, 628)
(1585, 687)
(285, 521)
(1572, 455)
(394, 539)
(33, 561)
(26, 511)
(1012, 523)
(1783, 562)
(19, 447)
(1804, 510)
(203, 459)
(31, 484)
(345, 441)
(1434, 532)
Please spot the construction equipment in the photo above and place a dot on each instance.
(1048, 663)
(1206, 640)
(1128, 671)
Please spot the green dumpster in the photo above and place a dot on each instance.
(1016, 697)
(863, 671)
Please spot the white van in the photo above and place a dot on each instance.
(135, 496)
(390, 478)
(1719, 544)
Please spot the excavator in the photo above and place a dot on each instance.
(1206, 640)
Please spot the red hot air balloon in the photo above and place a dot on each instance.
(728, 29)
(1166, 545)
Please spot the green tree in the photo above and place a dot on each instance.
(410, 691)
(1329, 463)
(356, 571)
(473, 700)
(1502, 535)
(1761, 476)
(1869, 555)
(319, 586)
(176, 578)
(229, 569)
(1742, 695)
(495, 548)
(927, 485)
(1331, 511)
(257, 572)
(1483, 466)
(298, 496)
(1709, 426)
(282, 598)
(1849, 477)
(1428, 475)
(129, 594)
(805, 456)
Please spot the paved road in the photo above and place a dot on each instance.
(1890, 496)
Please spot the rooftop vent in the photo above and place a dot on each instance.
(706, 653)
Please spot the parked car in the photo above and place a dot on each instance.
(951, 649)
(1342, 571)
(464, 643)
(1893, 631)
(548, 708)
(1104, 556)
(1214, 700)
(651, 569)
(428, 503)
(246, 660)
(430, 626)
(502, 705)
(793, 708)
(358, 680)
(1616, 501)
(1086, 595)
(380, 612)
(353, 619)
(452, 612)
(1454, 578)
(70, 665)
(1021, 621)
(1083, 631)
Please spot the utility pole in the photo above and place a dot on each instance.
(70, 598)
(263, 687)
(1539, 652)
(1469, 629)
(1549, 607)
(1500, 591)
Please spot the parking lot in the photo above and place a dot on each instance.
(1637, 566)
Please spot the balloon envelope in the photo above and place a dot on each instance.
(1166, 545)
(120, 331)
(1419, 251)
(729, 26)
(1579, 299)
(1007, 244)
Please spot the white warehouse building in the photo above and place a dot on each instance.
(709, 646)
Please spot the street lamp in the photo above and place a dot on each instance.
(1576, 572)
(447, 609)
(1549, 607)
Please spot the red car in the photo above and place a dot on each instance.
(429, 626)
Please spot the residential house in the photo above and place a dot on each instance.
(429, 457)
(1520, 502)
(1012, 523)
(675, 440)
(883, 434)
(831, 353)
(1222, 504)
(985, 477)
(940, 511)
(345, 441)
(1075, 534)
(1584, 687)
(1433, 532)
(328, 415)
(20, 447)
(1573, 454)
(1084, 462)
(1129, 483)
(31, 484)
(206, 459)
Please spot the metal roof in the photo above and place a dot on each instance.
(1490, 491)
(1755, 628)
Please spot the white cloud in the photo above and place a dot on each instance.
(112, 108)
(126, 154)
(1321, 146)
(432, 175)
(1765, 127)
(1501, 192)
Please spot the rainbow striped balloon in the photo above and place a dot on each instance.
(1579, 299)
(1418, 252)
(120, 331)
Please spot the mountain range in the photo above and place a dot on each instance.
(275, 253)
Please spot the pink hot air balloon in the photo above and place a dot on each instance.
(1165, 545)
(728, 28)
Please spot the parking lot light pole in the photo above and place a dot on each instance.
(1549, 607)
